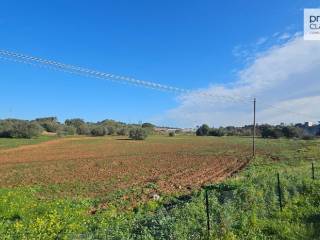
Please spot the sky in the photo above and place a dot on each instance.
(224, 52)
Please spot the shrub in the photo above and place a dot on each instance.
(98, 131)
(216, 132)
(122, 131)
(66, 130)
(50, 124)
(291, 132)
(172, 134)
(147, 125)
(268, 131)
(70, 130)
(110, 130)
(138, 134)
(83, 129)
(203, 130)
(308, 137)
(13, 128)
(178, 131)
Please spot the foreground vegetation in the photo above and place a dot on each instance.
(244, 206)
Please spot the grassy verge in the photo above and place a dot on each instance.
(6, 143)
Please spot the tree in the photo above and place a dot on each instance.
(268, 131)
(14, 128)
(147, 125)
(98, 131)
(75, 122)
(66, 130)
(81, 127)
(111, 130)
(203, 130)
(122, 131)
(172, 134)
(218, 132)
(291, 132)
(138, 133)
(49, 124)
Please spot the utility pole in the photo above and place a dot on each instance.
(254, 129)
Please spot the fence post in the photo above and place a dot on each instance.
(312, 169)
(208, 213)
(279, 192)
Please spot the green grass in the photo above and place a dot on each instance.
(6, 143)
(244, 206)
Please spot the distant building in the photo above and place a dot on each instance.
(165, 129)
(308, 124)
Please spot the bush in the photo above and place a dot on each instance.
(83, 129)
(98, 131)
(111, 130)
(178, 131)
(13, 128)
(291, 132)
(69, 130)
(203, 130)
(268, 131)
(172, 134)
(216, 132)
(122, 131)
(50, 124)
(308, 137)
(66, 130)
(138, 134)
(147, 125)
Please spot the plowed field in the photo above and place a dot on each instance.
(87, 166)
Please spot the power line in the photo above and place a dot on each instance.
(58, 66)
(88, 72)
(68, 68)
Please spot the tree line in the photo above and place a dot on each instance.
(16, 128)
(263, 130)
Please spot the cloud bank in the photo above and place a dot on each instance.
(285, 79)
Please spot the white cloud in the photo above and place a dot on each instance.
(284, 36)
(261, 40)
(285, 75)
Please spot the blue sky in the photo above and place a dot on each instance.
(198, 45)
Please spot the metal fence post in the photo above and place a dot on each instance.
(279, 191)
(312, 169)
(208, 213)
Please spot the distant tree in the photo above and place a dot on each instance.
(172, 134)
(14, 128)
(83, 129)
(66, 130)
(49, 124)
(111, 130)
(98, 131)
(138, 133)
(268, 131)
(147, 125)
(308, 137)
(217, 132)
(203, 130)
(291, 132)
(122, 131)
(75, 122)
(178, 131)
